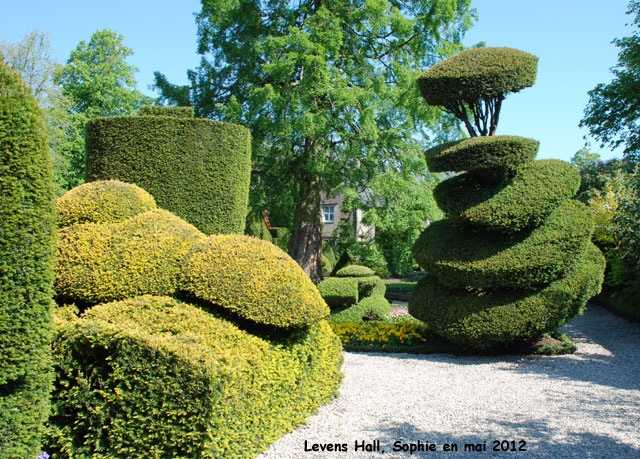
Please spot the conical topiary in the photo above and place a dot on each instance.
(513, 259)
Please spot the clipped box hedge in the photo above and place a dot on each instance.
(481, 153)
(103, 201)
(252, 278)
(355, 271)
(196, 168)
(27, 231)
(501, 317)
(339, 291)
(460, 257)
(521, 203)
(154, 377)
(369, 308)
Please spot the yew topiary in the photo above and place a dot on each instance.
(513, 260)
(27, 231)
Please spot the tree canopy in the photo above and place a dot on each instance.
(327, 89)
(613, 110)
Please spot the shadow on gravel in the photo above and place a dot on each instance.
(608, 353)
(528, 439)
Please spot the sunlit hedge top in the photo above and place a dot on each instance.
(478, 73)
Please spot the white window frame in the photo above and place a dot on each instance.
(328, 210)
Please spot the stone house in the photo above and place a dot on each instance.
(332, 215)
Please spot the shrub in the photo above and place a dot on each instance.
(155, 377)
(459, 257)
(339, 291)
(195, 168)
(402, 332)
(281, 237)
(355, 271)
(159, 110)
(481, 153)
(504, 316)
(254, 279)
(486, 288)
(371, 285)
(104, 201)
(373, 307)
(514, 205)
(100, 262)
(257, 227)
(26, 260)
(478, 73)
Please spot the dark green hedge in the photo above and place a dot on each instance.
(27, 231)
(257, 227)
(503, 317)
(281, 237)
(370, 285)
(522, 203)
(478, 73)
(104, 201)
(355, 271)
(152, 377)
(481, 153)
(460, 257)
(195, 168)
(370, 308)
(97, 263)
(252, 278)
(339, 291)
(158, 110)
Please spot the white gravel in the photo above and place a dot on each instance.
(581, 405)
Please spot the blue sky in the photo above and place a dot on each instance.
(572, 39)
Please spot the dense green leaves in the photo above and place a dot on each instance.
(327, 90)
(613, 110)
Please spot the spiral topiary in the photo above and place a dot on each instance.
(513, 260)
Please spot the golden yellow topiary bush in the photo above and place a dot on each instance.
(254, 279)
(104, 201)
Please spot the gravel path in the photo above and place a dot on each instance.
(581, 405)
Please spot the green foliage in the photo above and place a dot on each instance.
(476, 80)
(27, 230)
(327, 251)
(281, 237)
(370, 285)
(254, 279)
(158, 110)
(612, 114)
(339, 291)
(195, 168)
(459, 257)
(513, 204)
(372, 307)
(482, 153)
(322, 87)
(155, 377)
(100, 262)
(257, 227)
(355, 271)
(505, 316)
(105, 201)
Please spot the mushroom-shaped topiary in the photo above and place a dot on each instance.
(513, 260)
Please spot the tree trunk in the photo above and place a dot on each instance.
(305, 246)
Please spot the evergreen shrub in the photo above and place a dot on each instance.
(254, 279)
(370, 308)
(195, 168)
(339, 291)
(104, 201)
(355, 271)
(513, 260)
(155, 377)
(27, 231)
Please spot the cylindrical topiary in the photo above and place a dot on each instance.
(26, 274)
(513, 259)
(196, 168)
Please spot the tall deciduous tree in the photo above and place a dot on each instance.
(96, 81)
(326, 87)
(613, 111)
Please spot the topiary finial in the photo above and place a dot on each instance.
(476, 80)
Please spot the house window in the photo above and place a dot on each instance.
(327, 214)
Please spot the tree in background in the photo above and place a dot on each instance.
(96, 81)
(613, 110)
(327, 89)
